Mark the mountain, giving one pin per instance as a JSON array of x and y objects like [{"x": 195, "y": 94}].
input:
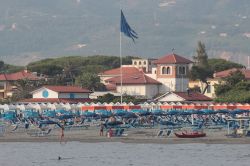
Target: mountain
[{"x": 31, "y": 30}]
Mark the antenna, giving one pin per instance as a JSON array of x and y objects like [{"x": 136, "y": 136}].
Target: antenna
[{"x": 173, "y": 49}]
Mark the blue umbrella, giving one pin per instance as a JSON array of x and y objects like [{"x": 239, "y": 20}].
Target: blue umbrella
[
  {"x": 157, "y": 112},
  {"x": 89, "y": 114},
  {"x": 119, "y": 112},
  {"x": 103, "y": 113},
  {"x": 30, "y": 114},
  {"x": 224, "y": 111},
  {"x": 141, "y": 112},
  {"x": 238, "y": 111},
  {"x": 172, "y": 112},
  {"x": 51, "y": 114},
  {"x": 130, "y": 115},
  {"x": 167, "y": 123},
  {"x": 208, "y": 111}
]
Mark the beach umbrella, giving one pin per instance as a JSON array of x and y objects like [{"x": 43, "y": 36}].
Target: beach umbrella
[
  {"x": 62, "y": 117},
  {"x": 207, "y": 111},
  {"x": 103, "y": 113},
  {"x": 119, "y": 112},
  {"x": 130, "y": 115},
  {"x": 223, "y": 111},
  {"x": 167, "y": 123},
  {"x": 184, "y": 113},
  {"x": 157, "y": 112},
  {"x": 30, "y": 114},
  {"x": 140, "y": 112},
  {"x": 51, "y": 114},
  {"x": 238, "y": 111},
  {"x": 89, "y": 114},
  {"x": 172, "y": 112}
]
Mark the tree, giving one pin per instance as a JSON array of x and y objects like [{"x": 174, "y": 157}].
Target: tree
[
  {"x": 230, "y": 82},
  {"x": 24, "y": 87},
  {"x": 218, "y": 65},
  {"x": 90, "y": 81},
  {"x": 200, "y": 70}
]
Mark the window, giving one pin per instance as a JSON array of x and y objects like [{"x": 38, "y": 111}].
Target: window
[
  {"x": 144, "y": 62},
  {"x": 209, "y": 89},
  {"x": 166, "y": 70},
  {"x": 139, "y": 62},
  {"x": 135, "y": 63},
  {"x": 182, "y": 70}
]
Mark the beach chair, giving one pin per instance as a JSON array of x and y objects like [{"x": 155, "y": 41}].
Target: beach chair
[
  {"x": 160, "y": 133},
  {"x": 168, "y": 133}
]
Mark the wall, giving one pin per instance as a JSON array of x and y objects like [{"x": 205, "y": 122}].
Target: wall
[
  {"x": 152, "y": 90},
  {"x": 133, "y": 90},
  {"x": 39, "y": 94},
  {"x": 76, "y": 95}
]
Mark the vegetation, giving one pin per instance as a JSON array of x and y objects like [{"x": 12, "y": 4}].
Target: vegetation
[
  {"x": 234, "y": 88},
  {"x": 6, "y": 68},
  {"x": 217, "y": 65},
  {"x": 201, "y": 70},
  {"x": 111, "y": 98}
]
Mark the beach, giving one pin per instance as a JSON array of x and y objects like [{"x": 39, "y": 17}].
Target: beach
[{"x": 134, "y": 135}]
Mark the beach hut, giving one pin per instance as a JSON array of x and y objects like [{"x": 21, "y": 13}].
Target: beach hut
[{"x": 166, "y": 106}]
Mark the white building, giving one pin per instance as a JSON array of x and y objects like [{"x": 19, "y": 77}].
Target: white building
[
  {"x": 150, "y": 77},
  {"x": 63, "y": 94}
]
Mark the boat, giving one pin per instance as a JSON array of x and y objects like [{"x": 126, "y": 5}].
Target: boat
[{"x": 190, "y": 135}]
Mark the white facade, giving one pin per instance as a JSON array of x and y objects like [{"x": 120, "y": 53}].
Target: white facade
[
  {"x": 39, "y": 93},
  {"x": 149, "y": 90},
  {"x": 48, "y": 94}
]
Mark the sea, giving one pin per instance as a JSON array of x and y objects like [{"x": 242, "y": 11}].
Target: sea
[{"x": 123, "y": 154}]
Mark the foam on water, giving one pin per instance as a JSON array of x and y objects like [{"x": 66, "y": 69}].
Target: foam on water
[{"x": 114, "y": 154}]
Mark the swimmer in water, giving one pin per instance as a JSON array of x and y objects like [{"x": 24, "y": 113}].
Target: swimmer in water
[{"x": 59, "y": 158}]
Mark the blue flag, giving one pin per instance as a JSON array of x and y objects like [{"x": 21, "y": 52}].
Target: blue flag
[{"x": 125, "y": 28}]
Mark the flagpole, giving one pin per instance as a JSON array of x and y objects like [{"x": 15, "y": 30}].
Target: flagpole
[{"x": 121, "y": 63}]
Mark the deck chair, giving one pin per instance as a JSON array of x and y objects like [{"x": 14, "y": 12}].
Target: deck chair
[
  {"x": 160, "y": 133},
  {"x": 168, "y": 133},
  {"x": 120, "y": 132}
]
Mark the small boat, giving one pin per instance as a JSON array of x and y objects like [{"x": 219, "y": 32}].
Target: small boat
[{"x": 190, "y": 135}]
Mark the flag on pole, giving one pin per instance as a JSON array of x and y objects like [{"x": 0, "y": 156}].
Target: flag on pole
[{"x": 126, "y": 29}]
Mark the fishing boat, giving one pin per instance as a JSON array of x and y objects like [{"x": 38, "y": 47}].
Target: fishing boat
[{"x": 190, "y": 135}]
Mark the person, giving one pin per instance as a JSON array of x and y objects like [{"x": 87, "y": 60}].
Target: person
[
  {"x": 62, "y": 134},
  {"x": 110, "y": 133},
  {"x": 101, "y": 130}
]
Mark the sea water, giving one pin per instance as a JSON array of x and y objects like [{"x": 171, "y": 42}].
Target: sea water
[{"x": 123, "y": 154}]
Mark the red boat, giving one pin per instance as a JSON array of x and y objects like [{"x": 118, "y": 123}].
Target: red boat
[{"x": 190, "y": 135}]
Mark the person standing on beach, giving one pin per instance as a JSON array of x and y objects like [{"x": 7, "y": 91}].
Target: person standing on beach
[{"x": 101, "y": 130}]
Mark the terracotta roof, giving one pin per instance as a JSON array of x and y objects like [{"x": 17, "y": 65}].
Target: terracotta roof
[
  {"x": 225, "y": 73},
  {"x": 55, "y": 100},
  {"x": 18, "y": 76},
  {"x": 117, "y": 71},
  {"x": 136, "y": 78},
  {"x": 172, "y": 59},
  {"x": 193, "y": 96},
  {"x": 67, "y": 89}
]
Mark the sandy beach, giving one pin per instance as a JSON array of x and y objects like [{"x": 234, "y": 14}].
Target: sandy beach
[{"x": 136, "y": 135}]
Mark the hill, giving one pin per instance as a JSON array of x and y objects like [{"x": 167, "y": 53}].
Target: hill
[{"x": 33, "y": 30}]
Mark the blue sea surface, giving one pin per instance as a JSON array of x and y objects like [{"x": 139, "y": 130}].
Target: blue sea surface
[{"x": 122, "y": 154}]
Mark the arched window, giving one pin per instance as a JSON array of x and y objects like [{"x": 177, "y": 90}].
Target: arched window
[
  {"x": 168, "y": 70},
  {"x": 139, "y": 62},
  {"x": 135, "y": 63},
  {"x": 144, "y": 62}
]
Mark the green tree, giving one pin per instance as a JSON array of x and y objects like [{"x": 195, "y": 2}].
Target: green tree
[
  {"x": 24, "y": 87},
  {"x": 218, "y": 65},
  {"x": 229, "y": 83},
  {"x": 200, "y": 70},
  {"x": 90, "y": 81}
]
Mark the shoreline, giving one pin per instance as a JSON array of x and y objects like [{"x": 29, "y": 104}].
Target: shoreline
[{"x": 137, "y": 136}]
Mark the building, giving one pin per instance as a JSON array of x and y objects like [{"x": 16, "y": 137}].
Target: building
[
  {"x": 64, "y": 94},
  {"x": 149, "y": 77},
  {"x": 172, "y": 71},
  {"x": 137, "y": 84},
  {"x": 183, "y": 97},
  {"x": 7, "y": 81},
  {"x": 217, "y": 79},
  {"x": 145, "y": 64}
]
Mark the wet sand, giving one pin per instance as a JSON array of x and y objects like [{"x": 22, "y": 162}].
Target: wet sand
[{"x": 137, "y": 135}]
